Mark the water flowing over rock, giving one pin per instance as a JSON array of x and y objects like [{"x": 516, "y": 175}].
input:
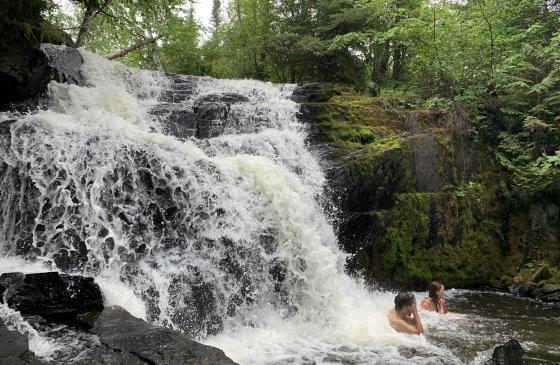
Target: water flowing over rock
[
  {"x": 197, "y": 194},
  {"x": 14, "y": 348}
]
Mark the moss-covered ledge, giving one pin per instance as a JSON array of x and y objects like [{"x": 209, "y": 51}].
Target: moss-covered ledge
[{"x": 418, "y": 199}]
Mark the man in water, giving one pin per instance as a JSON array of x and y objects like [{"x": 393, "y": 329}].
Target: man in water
[{"x": 400, "y": 317}]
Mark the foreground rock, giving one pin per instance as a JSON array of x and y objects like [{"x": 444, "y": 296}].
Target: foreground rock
[
  {"x": 121, "y": 331},
  {"x": 510, "y": 353},
  {"x": 50, "y": 295},
  {"x": 70, "y": 309}
]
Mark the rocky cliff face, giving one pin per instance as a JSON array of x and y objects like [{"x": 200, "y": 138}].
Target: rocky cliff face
[
  {"x": 24, "y": 70},
  {"x": 419, "y": 199}
]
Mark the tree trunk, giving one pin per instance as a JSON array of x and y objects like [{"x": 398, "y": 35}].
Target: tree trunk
[
  {"x": 134, "y": 47},
  {"x": 491, "y": 33},
  {"x": 380, "y": 62},
  {"x": 398, "y": 60},
  {"x": 89, "y": 15},
  {"x": 85, "y": 27},
  {"x": 255, "y": 66},
  {"x": 157, "y": 60}
]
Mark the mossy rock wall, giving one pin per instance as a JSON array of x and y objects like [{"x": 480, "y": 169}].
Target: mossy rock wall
[{"x": 417, "y": 199}]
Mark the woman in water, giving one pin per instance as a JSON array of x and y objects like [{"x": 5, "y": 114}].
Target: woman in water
[{"x": 436, "y": 299}]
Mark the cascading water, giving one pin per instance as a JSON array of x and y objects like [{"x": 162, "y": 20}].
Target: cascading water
[{"x": 223, "y": 238}]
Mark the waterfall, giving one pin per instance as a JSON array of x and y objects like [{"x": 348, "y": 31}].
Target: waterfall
[{"x": 223, "y": 238}]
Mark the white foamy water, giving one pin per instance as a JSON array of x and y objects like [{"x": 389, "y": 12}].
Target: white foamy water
[
  {"x": 41, "y": 346},
  {"x": 223, "y": 238}
]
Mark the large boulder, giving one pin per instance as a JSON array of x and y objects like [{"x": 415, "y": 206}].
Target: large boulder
[
  {"x": 51, "y": 295},
  {"x": 64, "y": 63},
  {"x": 24, "y": 73},
  {"x": 541, "y": 283},
  {"x": 109, "y": 335},
  {"x": 121, "y": 331},
  {"x": 511, "y": 353}
]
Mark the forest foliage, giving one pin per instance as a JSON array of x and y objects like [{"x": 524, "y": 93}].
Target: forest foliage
[{"x": 499, "y": 58}]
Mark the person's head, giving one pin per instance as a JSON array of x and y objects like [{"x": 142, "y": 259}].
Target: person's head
[
  {"x": 404, "y": 302},
  {"x": 436, "y": 291}
]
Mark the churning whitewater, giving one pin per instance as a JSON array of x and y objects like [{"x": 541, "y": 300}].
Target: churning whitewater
[{"x": 223, "y": 238}]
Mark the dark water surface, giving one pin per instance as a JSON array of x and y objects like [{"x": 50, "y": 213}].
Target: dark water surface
[{"x": 482, "y": 320}]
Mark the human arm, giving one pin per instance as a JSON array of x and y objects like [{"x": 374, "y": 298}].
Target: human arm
[
  {"x": 403, "y": 326},
  {"x": 416, "y": 318},
  {"x": 441, "y": 308}
]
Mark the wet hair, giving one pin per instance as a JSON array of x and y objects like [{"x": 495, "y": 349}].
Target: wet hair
[
  {"x": 403, "y": 299},
  {"x": 435, "y": 286}
]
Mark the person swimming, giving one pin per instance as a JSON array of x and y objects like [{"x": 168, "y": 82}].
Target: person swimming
[
  {"x": 400, "y": 317},
  {"x": 435, "y": 301}
]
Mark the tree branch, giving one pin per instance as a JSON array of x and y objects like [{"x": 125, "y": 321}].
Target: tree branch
[{"x": 124, "y": 51}]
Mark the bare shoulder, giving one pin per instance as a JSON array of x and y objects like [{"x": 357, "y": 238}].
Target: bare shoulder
[
  {"x": 427, "y": 304},
  {"x": 392, "y": 315},
  {"x": 399, "y": 324},
  {"x": 393, "y": 318}
]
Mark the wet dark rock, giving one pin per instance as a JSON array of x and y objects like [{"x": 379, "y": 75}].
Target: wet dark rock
[
  {"x": 209, "y": 116},
  {"x": 14, "y": 348},
  {"x": 181, "y": 88},
  {"x": 523, "y": 289},
  {"x": 425, "y": 152},
  {"x": 121, "y": 331},
  {"x": 212, "y": 112},
  {"x": 51, "y": 295},
  {"x": 316, "y": 92},
  {"x": 65, "y": 63},
  {"x": 226, "y": 98},
  {"x": 176, "y": 120},
  {"x": 24, "y": 73},
  {"x": 539, "y": 284},
  {"x": 547, "y": 293},
  {"x": 510, "y": 353},
  {"x": 195, "y": 310},
  {"x": 211, "y": 119}
]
